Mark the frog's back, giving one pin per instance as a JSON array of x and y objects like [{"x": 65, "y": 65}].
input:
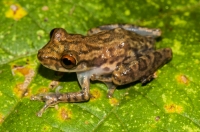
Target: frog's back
[
  {"x": 119, "y": 37},
  {"x": 113, "y": 47}
]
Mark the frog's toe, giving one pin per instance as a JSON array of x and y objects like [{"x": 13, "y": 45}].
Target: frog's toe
[
  {"x": 39, "y": 97},
  {"x": 110, "y": 93},
  {"x": 39, "y": 114},
  {"x": 36, "y": 97},
  {"x": 147, "y": 79}
]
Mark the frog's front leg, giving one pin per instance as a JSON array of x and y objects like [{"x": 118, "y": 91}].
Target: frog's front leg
[
  {"x": 143, "y": 68},
  {"x": 137, "y": 29},
  {"x": 51, "y": 99}
]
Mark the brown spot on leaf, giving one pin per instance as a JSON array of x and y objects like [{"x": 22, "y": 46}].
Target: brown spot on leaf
[
  {"x": 46, "y": 128},
  {"x": 157, "y": 118},
  {"x": 43, "y": 90},
  {"x": 15, "y": 11},
  {"x": 18, "y": 90},
  {"x": 183, "y": 79},
  {"x": 95, "y": 94},
  {"x": 45, "y": 8},
  {"x": 173, "y": 108},
  {"x": 64, "y": 114},
  {"x": 23, "y": 70},
  {"x": 87, "y": 122},
  {"x": 1, "y": 119},
  {"x": 21, "y": 89},
  {"x": 114, "y": 102}
]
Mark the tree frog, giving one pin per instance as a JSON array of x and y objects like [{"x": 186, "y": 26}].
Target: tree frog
[{"x": 114, "y": 54}]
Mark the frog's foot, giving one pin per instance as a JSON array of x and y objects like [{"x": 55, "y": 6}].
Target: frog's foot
[
  {"x": 50, "y": 100},
  {"x": 147, "y": 79}
]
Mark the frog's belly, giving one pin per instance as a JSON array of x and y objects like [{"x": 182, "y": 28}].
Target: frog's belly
[{"x": 102, "y": 70}]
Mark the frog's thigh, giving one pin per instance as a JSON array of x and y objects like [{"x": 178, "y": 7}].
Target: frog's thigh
[
  {"x": 143, "y": 30},
  {"x": 139, "y": 30},
  {"x": 102, "y": 28},
  {"x": 142, "y": 68},
  {"x": 108, "y": 81}
]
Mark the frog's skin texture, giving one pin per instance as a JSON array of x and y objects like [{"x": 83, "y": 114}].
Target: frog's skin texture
[{"x": 114, "y": 54}]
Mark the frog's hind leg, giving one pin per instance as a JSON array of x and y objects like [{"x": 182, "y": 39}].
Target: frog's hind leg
[
  {"x": 137, "y": 29},
  {"x": 143, "y": 30},
  {"x": 143, "y": 68},
  {"x": 108, "y": 81}
]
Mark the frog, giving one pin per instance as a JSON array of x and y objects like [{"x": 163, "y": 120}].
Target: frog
[{"x": 115, "y": 54}]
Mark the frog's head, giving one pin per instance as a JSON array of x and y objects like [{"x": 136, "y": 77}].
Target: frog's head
[{"x": 55, "y": 54}]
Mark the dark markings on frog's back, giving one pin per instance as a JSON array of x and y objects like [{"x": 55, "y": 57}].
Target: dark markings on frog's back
[
  {"x": 142, "y": 64},
  {"x": 93, "y": 47},
  {"x": 104, "y": 36},
  {"x": 157, "y": 58},
  {"x": 98, "y": 62},
  {"x": 111, "y": 49},
  {"x": 148, "y": 56}
]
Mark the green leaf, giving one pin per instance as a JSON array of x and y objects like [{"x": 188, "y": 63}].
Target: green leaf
[{"x": 168, "y": 103}]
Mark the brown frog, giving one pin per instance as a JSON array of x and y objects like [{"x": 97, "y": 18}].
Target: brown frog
[{"x": 114, "y": 54}]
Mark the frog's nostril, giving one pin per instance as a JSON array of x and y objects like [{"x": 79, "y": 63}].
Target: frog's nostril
[{"x": 40, "y": 56}]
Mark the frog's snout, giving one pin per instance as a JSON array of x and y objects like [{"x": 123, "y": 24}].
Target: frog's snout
[
  {"x": 43, "y": 58},
  {"x": 40, "y": 56}
]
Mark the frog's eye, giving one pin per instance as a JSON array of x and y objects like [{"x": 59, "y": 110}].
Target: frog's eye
[{"x": 68, "y": 61}]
